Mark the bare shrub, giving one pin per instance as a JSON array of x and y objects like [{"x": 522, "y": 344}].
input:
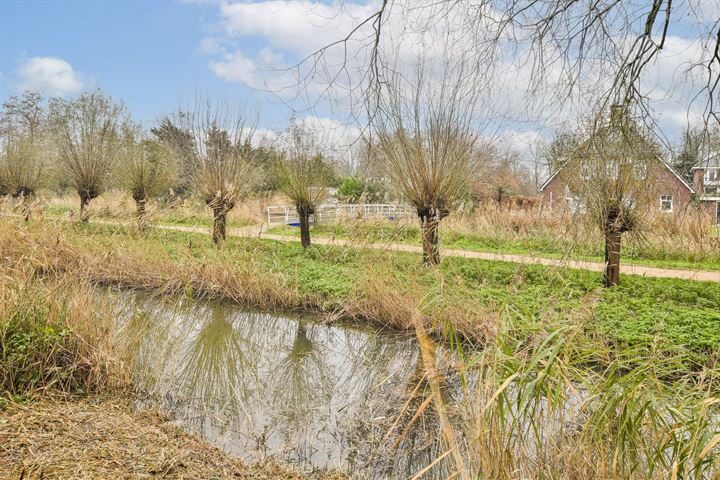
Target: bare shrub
[
  {"x": 87, "y": 133},
  {"x": 612, "y": 175},
  {"x": 21, "y": 168},
  {"x": 23, "y": 128},
  {"x": 425, "y": 139}
]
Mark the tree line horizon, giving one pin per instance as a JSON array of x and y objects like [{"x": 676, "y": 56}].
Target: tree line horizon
[{"x": 428, "y": 156}]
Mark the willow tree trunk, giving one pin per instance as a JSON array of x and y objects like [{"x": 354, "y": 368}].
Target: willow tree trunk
[
  {"x": 429, "y": 229},
  {"x": 304, "y": 215},
  {"x": 219, "y": 224},
  {"x": 84, "y": 208},
  {"x": 141, "y": 213},
  {"x": 611, "y": 276}
]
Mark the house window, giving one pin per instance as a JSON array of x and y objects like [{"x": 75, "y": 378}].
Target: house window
[
  {"x": 712, "y": 175},
  {"x": 666, "y": 203}
]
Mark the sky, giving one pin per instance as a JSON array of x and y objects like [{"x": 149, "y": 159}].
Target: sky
[
  {"x": 147, "y": 53},
  {"x": 154, "y": 54}
]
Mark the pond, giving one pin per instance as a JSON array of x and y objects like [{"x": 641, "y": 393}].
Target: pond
[{"x": 286, "y": 387}]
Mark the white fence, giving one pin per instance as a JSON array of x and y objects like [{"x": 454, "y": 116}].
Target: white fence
[{"x": 286, "y": 214}]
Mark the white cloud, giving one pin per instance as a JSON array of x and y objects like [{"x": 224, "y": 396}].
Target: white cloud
[
  {"x": 49, "y": 75},
  {"x": 235, "y": 67},
  {"x": 298, "y": 26},
  {"x": 211, "y": 45}
]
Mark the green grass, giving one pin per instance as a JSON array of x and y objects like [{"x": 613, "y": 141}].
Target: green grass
[
  {"x": 679, "y": 317},
  {"x": 551, "y": 247}
]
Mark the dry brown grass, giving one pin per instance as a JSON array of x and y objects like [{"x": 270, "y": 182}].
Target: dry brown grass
[
  {"x": 404, "y": 303},
  {"x": 53, "y": 337},
  {"x": 105, "y": 438},
  {"x": 120, "y": 205},
  {"x": 53, "y": 256},
  {"x": 685, "y": 233}
]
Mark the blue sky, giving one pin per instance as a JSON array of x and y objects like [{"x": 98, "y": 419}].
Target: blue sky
[
  {"x": 149, "y": 53},
  {"x": 153, "y": 54}
]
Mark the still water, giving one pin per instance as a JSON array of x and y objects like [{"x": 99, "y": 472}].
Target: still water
[{"x": 267, "y": 386}]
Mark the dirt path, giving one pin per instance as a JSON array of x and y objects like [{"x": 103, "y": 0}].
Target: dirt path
[{"x": 257, "y": 232}]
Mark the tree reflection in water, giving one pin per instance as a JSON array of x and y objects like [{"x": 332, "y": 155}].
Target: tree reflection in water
[
  {"x": 214, "y": 369},
  {"x": 263, "y": 385},
  {"x": 301, "y": 390}
]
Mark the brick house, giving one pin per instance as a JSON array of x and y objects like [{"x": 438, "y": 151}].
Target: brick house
[
  {"x": 673, "y": 192},
  {"x": 706, "y": 182}
]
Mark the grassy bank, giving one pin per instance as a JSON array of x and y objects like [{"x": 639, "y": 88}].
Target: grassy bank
[
  {"x": 547, "y": 243},
  {"x": 473, "y": 298}
]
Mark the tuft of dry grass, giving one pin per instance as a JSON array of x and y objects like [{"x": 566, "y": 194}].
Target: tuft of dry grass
[
  {"x": 105, "y": 438},
  {"x": 408, "y": 303}
]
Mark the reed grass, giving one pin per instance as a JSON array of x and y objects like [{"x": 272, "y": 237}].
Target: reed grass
[{"x": 548, "y": 413}]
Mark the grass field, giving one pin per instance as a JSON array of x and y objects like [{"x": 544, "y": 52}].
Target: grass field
[
  {"x": 539, "y": 243},
  {"x": 682, "y": 241}
]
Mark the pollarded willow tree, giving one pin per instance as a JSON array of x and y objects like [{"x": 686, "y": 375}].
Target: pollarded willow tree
[
  {"x": 87, "y": 134},
  {"x": 302, "y": 173},
  {"x": 146, "y": 168},
  {"x": 21, "y": 168},
  {"x": 223, "y": 170},
  {"x": 425, "y": 137},
  {"x": 23, "y": 139},
  {"x": 613, "y": 177}
]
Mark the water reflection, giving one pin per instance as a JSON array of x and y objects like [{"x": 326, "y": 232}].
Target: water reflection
[{"x": 260, "y": 386}]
